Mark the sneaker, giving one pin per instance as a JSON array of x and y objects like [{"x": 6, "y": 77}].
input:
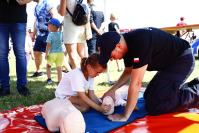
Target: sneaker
[
  {"x": 23, "y": 90},
  {"x": 49, "y": 81},
  {"x": 4, "y": 92},
  {"x": 37, "y": 74},
  {"x": 65, "y": 71},
  {"x": 111, "y": 83}
]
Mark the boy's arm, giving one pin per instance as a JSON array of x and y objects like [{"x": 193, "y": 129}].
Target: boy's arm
[{"x": 47, "y": 50}]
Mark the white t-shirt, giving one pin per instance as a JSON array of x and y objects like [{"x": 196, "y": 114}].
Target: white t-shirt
[{"x": 73, "y": 82}]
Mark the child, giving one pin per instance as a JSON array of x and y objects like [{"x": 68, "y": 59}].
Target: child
[
  {"x": 76, "y": 87},
  {"x": 113, "y": 26},
  {"x": 54, "y": 50}
]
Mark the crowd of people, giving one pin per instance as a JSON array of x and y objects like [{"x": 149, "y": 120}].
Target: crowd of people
[{"x": 89, "y": 48}]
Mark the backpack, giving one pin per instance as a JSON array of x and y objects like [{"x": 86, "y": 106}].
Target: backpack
[{"x": 80, "y": 14}]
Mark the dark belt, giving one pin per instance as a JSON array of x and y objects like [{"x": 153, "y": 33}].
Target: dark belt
[{"x": 186, "y": 52}]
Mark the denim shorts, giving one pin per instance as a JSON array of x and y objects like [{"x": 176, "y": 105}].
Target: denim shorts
[{"x": 40, "y": 44}]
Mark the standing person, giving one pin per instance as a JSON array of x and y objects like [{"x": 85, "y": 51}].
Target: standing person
[
  {"x": 13, "y": 19},
  {"x": 181, "y": 23},
  {"x": 153, "y": 50},
  {"x": 74, "y": 36},
  {"x": 114, "y": 26},
  {"x": 97, "y": 26},
  {"x": 54, "y": 50},
  {"x": 44, "y": 11}
]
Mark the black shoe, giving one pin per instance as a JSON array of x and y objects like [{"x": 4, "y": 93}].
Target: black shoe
[
  {"x": 65, "y": 71},
  {"x": 37, "y": 74},
  {"x": 4, "y": 92},
  {"x": 49, "y": 81},
  {"x": 193, "y": 82},
  {"x": 111, "y": 83},
  {"x": 23, "y": 90}
]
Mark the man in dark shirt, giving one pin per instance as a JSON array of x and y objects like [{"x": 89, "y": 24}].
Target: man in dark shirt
[
  {"x": 13, "y": 18},
  {"x": 153, "y": 50}
]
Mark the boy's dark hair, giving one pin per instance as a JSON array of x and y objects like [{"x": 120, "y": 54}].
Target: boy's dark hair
[{"x": 92, "y": 60}]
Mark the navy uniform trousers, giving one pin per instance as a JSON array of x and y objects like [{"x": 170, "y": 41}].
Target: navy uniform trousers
[{"x": 167, "y": 91}]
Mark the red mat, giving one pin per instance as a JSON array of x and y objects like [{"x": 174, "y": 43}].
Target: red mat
[
  {"x": 22, "y": 120},
  {"x": 186, "y": 122}
]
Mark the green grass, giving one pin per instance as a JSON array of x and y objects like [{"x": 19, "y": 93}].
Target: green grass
[{"x": 41, "y": 92}]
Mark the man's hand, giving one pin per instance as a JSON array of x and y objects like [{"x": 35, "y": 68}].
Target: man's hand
[
  {"x": 110, "y": 93},
  {"x": 22, "y": 2},
  {"x": 118, "y": 117}
]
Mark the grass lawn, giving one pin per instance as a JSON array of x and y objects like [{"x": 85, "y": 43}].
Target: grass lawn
[{"x": 41, "y": 92}]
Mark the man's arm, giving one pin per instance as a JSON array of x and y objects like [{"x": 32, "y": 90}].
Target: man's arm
[
  {"x": 133, "y": 92},
  {"x": 122, "y": 80}
]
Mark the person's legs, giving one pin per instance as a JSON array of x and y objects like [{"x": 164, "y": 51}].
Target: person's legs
[
  {"x": 18, "y": 35},
  {"x": 81, "y": 50},
  {"x": 38, "y": 60},
  {"x": 48, "y": 71},
  {"x": 66, "y": 64},
  {"x": 4, "y": 50},
  {"x": 91, "y": 45},
  {"x": 73, "y": 56},
  {"x": 163, "y": 92},
  {"x": 189, "y": 95},
  {"x": 59, "y": 62},
  {"x": 39, "y": 47}
]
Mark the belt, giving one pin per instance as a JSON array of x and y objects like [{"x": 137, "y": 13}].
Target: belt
[{"x": 186, "y": 52}]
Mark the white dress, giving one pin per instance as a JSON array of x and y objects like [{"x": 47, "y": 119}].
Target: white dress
[{"x": 72, "y": 33}]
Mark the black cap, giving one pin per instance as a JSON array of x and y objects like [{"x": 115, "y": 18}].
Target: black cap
[{"x": 107, "y": 43}]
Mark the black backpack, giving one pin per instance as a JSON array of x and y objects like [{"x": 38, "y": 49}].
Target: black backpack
[{"x": 80, "y": 14}]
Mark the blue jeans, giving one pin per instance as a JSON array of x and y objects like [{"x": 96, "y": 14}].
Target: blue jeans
[
  {"x": 92, "y": 45},
  {"x": 17, "y": 32}
]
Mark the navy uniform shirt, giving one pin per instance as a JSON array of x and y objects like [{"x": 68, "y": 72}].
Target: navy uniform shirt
[
  {"x": 154, "y": 47},
  {"x": 12, "y": 12}
]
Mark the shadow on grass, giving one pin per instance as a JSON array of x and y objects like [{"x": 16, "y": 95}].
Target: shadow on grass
[{"x": 40, "y": 93}]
